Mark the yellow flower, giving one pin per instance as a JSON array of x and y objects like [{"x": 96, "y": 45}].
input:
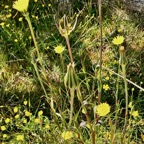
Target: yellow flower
[
  {"x": 135, "y": 114},
  {"x": 27, "y": 113},
  {"x": 40, "y": 113},
  {"x": 20, "y": 19},
  {"x": 21, "y": 5},
  {"x": 106, "y": 87},
  {"x": 17, "y": 116},
  {"x": 59, "y": 49},
  {"x": 25, "y": 102},
  {"x": 7, "y": 120},
  {"x": 8, "y": 15},
  {"x": 67, "y": 135},
  {"x": 15, "y": 109},
  {"x": 2, "y": 24},
  {"x": 35, "y": 0},
  {"x": 6, "y": 6},
  {"x": 107, "y": 78},
  {"x": 49, "y": 5},
  {"x": 4, "y": 135},
  {"x": 20, "y": 138},
  {"x": 47, "y": 126},
  {"x": 130, "y": 105},
  {"x": 118, "y": 40},
  {"x": 103, "y": 109},
  {"x": 25, "y": 121},
  {"x": 37, "y": 120},
  {"x": 15, "y": 40},
  {"x": 3, "y": 128}
]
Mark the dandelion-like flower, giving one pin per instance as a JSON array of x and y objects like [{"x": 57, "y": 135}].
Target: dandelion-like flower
[
  {"x": 20, "y": 138},
  {"x": 67, "y": 135},
  {"x": 106, "y": 87},
  {"x": 21, "y": 5},
  {"x": 59, "y": 49},
  {"x": 118, "y": 40},
  {"x": 130, "y": 105},
  {"x": 37, "y": 120},
  {"x": 40, "y": 113},
  {"x": 3, "y": 128},
  {"x": 15, "y": 109},
  {"x": 103, "y": 109},
  {"x": 4, "y": 135},
  {"x": 7, "y": 120},
  {"x": 135, "y": 114},
  {"x": 27, "y": 113}
]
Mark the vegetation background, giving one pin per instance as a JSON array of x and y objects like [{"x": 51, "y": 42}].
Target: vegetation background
[{"x": 50, "y": 85}]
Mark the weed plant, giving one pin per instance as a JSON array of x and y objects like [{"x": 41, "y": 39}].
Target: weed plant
[{"x": 70, "y": 76}]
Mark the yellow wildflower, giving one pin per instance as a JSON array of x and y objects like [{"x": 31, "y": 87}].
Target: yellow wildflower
[
  {"x": 107, "y": 78},
  {"x": 67, "y": 135},
  {"x": 3, "y": 128},
  {"x": 20, "y": 19},
  {"x": 118, "y": 40},
  {"x": 106, "y": 87},
  {"x": 27, "y": 113},
  {"x": 2, "y": 24},
  {"x": 49, "y": 5},
  {"x": 47, "y": 126},
  {"x": 15, "y": 109},
  {"x": 35, "y": 0},
  {"x": 7, "y": 120},
  {"x": 20, "y": 138},
  {"x": 130, "y": 105},
  {"x": 25, "y": 102},
  {"x": 4, "y": 135},
  {"x": 25, "y": 121},
  {"x": 21, "y": 5},
  {"x": 8, "y": 15},
  {"x": 103, "y": 109},
  {"x": 135, "y": 114},
  {"x": 59, "y": 49},
  {"x": 6, "y": 6},
  {"x": 17, "y": 116},
  {"x": 15, "y": 40},
  {"x": 40, "y": 113},
  {"x": 37, "y": 120}
]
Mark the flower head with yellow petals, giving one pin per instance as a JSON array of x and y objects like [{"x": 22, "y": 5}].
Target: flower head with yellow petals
[
  {"x": 118, "y": 40},
  {"x": 21, "y": 5},
  {"x": 103, "y": 109}
]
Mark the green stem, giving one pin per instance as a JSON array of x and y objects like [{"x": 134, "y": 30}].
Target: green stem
[
  {"x": 69, "y": 49},
  {"x": 35, "y": 43},
  {"x": 71, "y": 105},
  {"x": 126, "y": 93},
  {"x": 87, "y": 116}
]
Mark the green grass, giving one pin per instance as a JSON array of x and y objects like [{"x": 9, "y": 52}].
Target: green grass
[{"x": 52, "y": 95}]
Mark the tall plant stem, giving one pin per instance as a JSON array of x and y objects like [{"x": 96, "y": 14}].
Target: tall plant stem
[
  {"x": 69, "y": 49},
  {"x": 100, "y": 52},
  {"x": 71, "y": 104},
  {"x": 35, "y": 43},
  {"x": 126, "y": 93},
  {"x": 87, "y": 115}
]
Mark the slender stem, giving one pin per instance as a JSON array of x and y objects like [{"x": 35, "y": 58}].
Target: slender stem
[
  {"x": 100, "y": 52},
  {"x": 116, "y": 97},
  {"x": 71, "y": 105},
  {"x": 123, "y": 78},
  {"x": 35, "y": 43},
  {"x": 69, "y": 49},
  {"x": 87, "y": 115},
  {"x": 126, "y": 93}
]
